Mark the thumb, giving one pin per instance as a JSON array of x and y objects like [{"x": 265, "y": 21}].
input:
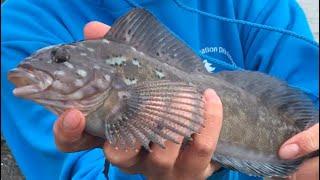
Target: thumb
[
  {"x": 95, "y": 30},
  {"x": 301, "y": 144},
  {"x": 69, "y": 133},
  {"x": 69, "y": 126}
]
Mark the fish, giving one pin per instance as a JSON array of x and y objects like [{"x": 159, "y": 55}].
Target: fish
[{"x": 141, "y": 84}]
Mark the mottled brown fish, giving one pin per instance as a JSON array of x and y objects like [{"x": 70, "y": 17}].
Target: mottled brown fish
[{"x": 141, "y": 84}]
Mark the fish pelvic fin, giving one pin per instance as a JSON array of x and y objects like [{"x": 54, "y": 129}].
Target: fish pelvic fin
[
  {"x": 154, "y": 111},
  {"x": 258, "y": 168},
  {"x": 267, "y": 168}
]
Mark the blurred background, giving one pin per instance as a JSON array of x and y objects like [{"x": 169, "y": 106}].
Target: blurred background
[
  {"x": 311, "y": 9},
  {"x": 9, "y": 169}
]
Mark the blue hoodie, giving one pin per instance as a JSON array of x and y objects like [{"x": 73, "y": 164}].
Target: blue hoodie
[{"x": 28, "y": 25}]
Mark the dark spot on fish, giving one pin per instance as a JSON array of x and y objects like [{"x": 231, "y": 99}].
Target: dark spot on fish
[
  {"x": 53, "y": 52},
  {"x": 60, "y": 55},
  {"x": 160, "y": 126},
  {"x": 26, "y": 66}
]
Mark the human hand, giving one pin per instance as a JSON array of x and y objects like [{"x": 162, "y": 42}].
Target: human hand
[
  {"x": 300, "y": 145},
  {"x": 193, "y": 162}
]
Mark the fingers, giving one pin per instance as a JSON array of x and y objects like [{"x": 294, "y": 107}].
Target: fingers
[
  {"x": 160, "y": 163},
  {"x": 133, "y": 160},
  {"x": 69, "y": 135},
  {"x": 212, "y": 167},
  {"x": 162, "y": 160},
  {"x": 124, "y": 159},
  {"x": 95, "y": 30},
  {"x": 301, "y": 144},
  {"x": 308, "y": 170},
  {"x": 197, "y": 156}
]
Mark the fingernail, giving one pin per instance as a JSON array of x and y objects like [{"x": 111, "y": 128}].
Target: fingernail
[
  {"x": 209, "y": 94},
  {"x": 289, "y": 151},
  {"x": 71, "y": 121}
]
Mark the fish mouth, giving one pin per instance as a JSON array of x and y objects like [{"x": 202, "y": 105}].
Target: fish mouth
[{"x": 29, "y": 82}]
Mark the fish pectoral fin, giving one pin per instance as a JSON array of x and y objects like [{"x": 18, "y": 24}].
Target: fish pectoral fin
[
  {"x": 142, "y": 30},
  {"x": 155, "y": 111}
]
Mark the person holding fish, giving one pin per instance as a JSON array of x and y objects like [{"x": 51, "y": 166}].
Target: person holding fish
[{"x": 140, "y": 98}]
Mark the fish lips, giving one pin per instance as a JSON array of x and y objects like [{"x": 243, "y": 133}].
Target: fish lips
[{"x": 29, "y": 82}]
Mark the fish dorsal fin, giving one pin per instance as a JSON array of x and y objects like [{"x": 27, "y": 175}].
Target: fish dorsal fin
[
  {"x": 289, "y": 102},
  {"x": 145, "y": 33}
]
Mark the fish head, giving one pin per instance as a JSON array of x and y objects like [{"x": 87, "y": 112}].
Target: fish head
[{"x": 60, "y": 77}]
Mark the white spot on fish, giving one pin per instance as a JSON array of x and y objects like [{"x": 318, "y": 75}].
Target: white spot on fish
[
  {"x": 101, "y": 84},
  {"x": 91, "y": 49},
  {"x": 44, "y": 84},
  {"x": 69, "y": 65},
  {"x": 31, "y": 75},
  {"x": 107, "y": 77},
  {"x": 81, "y": 72},
  {"x": 133, "y": 49},
  {"x": 78, "y": 82},
  {"x": 130, "y": 81},
  {"x": 116, "y": 60},
  {"x": 96, "y": 67},
  {"x": 141, "y": 53},
  {"x": 49, "y": 62},
  {"x": 48, "y": 81},
  {"x": 136, "y": 62},
  {"x": 105, "y": 41},
  {"x": 208, "y": 66},
  {"x": 159, "y": 74},
  {"x": 76, "y": 95},
  {"x": 83, "y": 54},
  {"x": 59, "y": 73},
  {"x": 57, "y": 84}
]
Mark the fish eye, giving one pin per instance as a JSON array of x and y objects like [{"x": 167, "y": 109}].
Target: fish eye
[{"x": 60, "y": 55}]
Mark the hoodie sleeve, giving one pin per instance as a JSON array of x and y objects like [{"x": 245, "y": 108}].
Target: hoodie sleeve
[
  {"x": 28, "y": 25},
  {"x": 285, "y": 57}
]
